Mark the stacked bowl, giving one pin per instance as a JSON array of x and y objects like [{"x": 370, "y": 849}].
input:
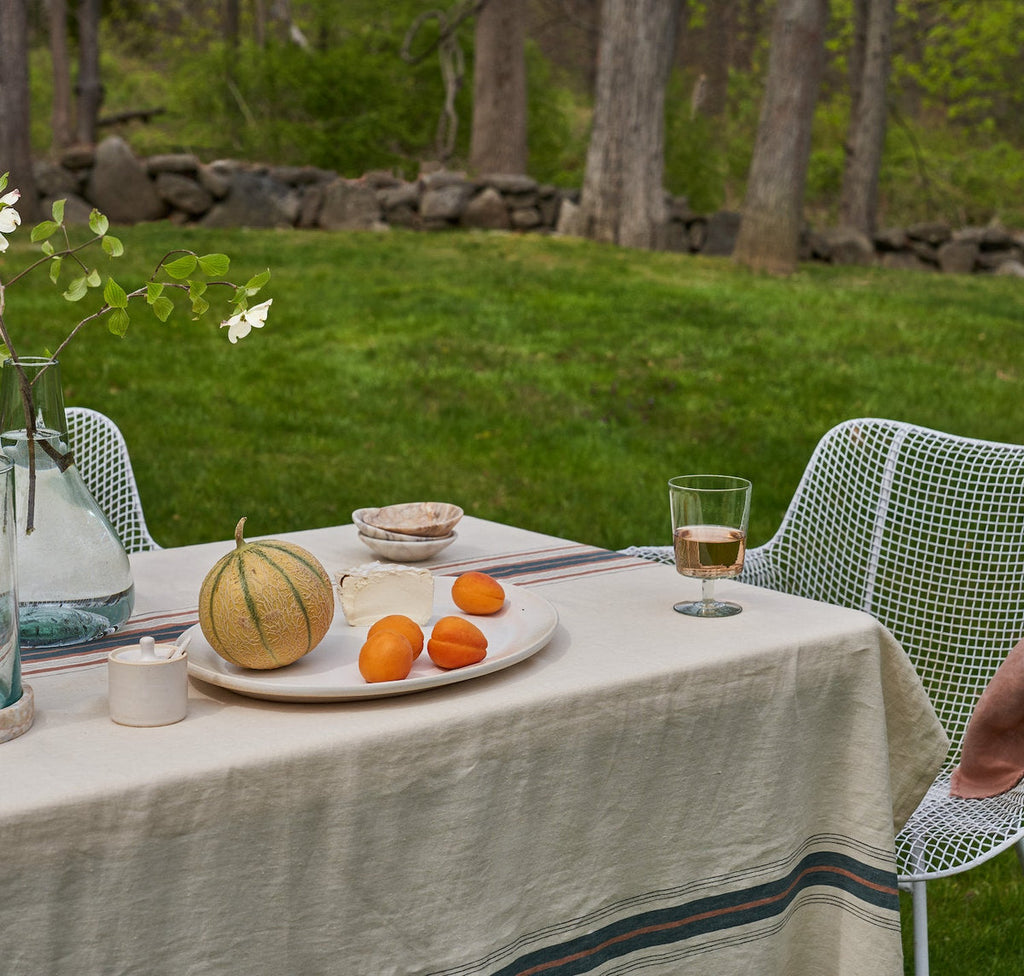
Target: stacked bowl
[{"x": 409, "y": 532}]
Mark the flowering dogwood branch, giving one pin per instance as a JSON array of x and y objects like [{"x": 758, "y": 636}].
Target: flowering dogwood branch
[{"x": 179, "y": 270}]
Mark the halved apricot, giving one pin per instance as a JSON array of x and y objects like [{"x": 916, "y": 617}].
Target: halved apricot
[{"x": 455, "y": 642}]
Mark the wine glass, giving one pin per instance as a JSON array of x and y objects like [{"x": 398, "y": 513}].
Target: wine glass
[{"x": 709, "y": 535}]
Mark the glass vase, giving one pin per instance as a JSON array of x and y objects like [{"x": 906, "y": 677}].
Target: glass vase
[
  {"x": 74, "y": 578},
  {"x": 10, "y": 649}
]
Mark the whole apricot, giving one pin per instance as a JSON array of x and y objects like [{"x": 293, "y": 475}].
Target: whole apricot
[
  {"x": 478, "y": 593},
  {"x": 386, "y": 656},
  {"x": 401, "y": 624},
  {"x": 455, "y": 642}
]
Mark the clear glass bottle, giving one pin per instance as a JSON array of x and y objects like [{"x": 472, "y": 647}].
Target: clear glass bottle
[{"x": 74, "y": 578}]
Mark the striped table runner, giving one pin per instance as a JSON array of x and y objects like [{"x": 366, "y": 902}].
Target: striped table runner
[{"x": 528, "y": 568}]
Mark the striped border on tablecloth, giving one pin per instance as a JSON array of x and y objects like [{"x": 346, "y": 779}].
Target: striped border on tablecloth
[
  {"x": 532, "y": 567},
  {"x": 164, "y": 626},
  {"x": 549, "y": 565},
  {"x": 659, "y": 928}
]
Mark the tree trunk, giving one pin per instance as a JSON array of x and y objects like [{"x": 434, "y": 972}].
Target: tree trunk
[
  {"x": 260, "y": 23},
  {"x": 61, "y": 120},
  {"x": 623, "y": 197},
  {"x": 858, "y": 202},
  {"x": 90, "y": 88},
  {"x": 857, "y": 52},
  {"x": 498, "y": 139},
  {"x": 230, "y": 21},
  {"x": 15, "y": 129},
  {"x": 769, "y": 237}
]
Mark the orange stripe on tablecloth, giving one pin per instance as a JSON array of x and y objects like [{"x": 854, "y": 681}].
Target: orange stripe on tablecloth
[
  {"x": 717, "y": 913},
  {"x": 867, "y": 885}
]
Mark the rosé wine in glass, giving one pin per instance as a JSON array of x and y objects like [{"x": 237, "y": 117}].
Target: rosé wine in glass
[{"x": 709, "y": 535}]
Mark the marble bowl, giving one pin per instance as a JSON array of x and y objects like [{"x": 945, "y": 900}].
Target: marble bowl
[
  {"x": 420, "y": 520},
  {"x": 407, "y": 550},
  {"x": 373, "y": 532}
]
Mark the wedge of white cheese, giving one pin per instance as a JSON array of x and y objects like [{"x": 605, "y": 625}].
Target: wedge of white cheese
[{"x": 375, "y": 590}]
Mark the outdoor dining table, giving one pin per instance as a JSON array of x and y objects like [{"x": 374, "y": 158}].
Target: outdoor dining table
[{"x": 646, "y": 793}]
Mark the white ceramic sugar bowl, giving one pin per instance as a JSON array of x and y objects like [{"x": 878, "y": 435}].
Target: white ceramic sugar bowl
[{"x": 147, "y": 688}]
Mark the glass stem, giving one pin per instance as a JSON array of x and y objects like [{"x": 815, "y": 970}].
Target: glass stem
[{"x": 707, "y": 588}]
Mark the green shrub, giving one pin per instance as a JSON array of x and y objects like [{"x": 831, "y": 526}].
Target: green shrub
[
  {"x": 558, "y": 124},
  {"x": 953, "y": 174},
  {"x": 708, "y": 159},
  {"x": 828, "y": 157},
  {"x": 694, "y": 158},
  {"x": 354, "y": 107}
]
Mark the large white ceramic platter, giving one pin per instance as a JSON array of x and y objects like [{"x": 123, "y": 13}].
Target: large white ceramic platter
[{"x": 330, "y": 672}]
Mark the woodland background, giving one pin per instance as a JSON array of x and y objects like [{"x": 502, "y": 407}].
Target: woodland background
[{"x": 358, "y": 85}]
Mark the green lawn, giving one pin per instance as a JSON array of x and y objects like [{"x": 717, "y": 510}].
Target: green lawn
[
  {"x": 555, "y": 384},
  {"x": 552, "y": 383},
  {"x": 976, "y": 922}
]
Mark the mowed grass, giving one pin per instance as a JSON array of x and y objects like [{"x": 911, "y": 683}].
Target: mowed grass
[
  {"x": 551, "y": 383},
  {"x": 976, "y": 922}
]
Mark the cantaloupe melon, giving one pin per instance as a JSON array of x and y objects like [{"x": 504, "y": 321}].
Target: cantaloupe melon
[{"x": 266, "y": 603}]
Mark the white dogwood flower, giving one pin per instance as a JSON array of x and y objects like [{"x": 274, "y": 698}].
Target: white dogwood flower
[
  {"x": 242, "y": 323},
  {"x": 9, "y": 217}
]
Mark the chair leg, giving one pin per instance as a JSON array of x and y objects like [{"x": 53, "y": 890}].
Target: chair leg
[{"x": 920, "y": 903}]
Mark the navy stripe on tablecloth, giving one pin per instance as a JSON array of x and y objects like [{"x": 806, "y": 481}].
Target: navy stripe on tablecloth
[
  {"x": 681, "y": 926},
  {"x": 527, "y": 568}
]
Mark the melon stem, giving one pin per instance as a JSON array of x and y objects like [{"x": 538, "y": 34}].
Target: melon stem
[{"x": 239, "y": 541}]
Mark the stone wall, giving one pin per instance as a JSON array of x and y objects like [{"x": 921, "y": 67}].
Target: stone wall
[{"x": 226, "y": 193}]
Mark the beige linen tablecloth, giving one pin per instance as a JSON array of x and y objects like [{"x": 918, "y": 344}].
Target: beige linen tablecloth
[{"x": 649, "y": 793}]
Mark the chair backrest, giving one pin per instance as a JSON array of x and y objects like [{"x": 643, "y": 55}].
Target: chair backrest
[
  {"x": 923, "y": 530},
  {"x": 102, "y": 459}
]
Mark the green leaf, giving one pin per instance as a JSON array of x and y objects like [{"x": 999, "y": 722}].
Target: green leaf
[
  {"x": 196, "y": 288},
  {"x": 4, "y": 351},
  {"x": 98, "y": 224},
  {"x": 118, "y": 322},
  {"x": 182, "y": 267},
  {"x": 214, "y": 265},
  {"x": 42, "y": 231},
  {"x": 3, "y": 181},
  {"x": 154, "y": 289},
  {"x": 93, "y": 279},
  {"x": 55, "y": 266},
  {"x": 76, "y": 291},
  {"x": 114, "y": 295},
  {"x": 58, "y": 211},
  {"x": 162, "y": 307},
  {"x": 47, "y": 248},
  {"x": 256, "y": 282},
  {"x": 112, "y": 246},
  {"x": 199, "y": 306}
]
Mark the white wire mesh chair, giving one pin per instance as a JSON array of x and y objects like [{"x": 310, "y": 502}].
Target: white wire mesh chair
[
  {"x": 102, "y": 459},
  {"x": 924, "y": 530}
]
